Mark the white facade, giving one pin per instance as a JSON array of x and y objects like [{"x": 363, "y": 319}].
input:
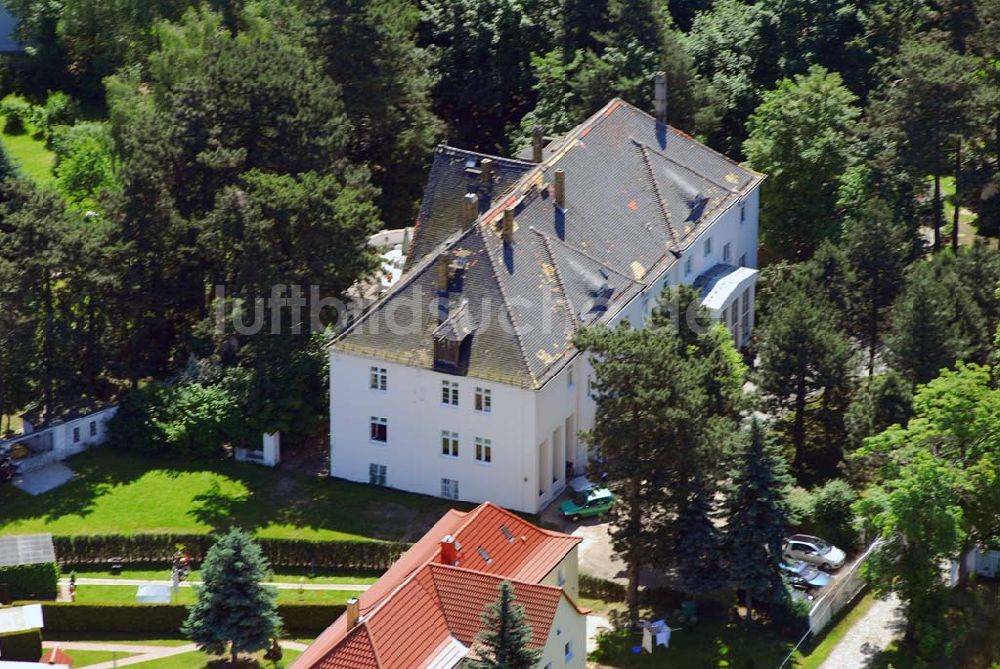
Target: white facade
[
  {"x": 532, "y": 434},
  {"x": 61, "y": 440}
]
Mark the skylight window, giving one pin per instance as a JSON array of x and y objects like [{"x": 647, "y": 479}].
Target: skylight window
[
  {"x": 507, "y": 533},
  {"x": 486, "y": 556}
]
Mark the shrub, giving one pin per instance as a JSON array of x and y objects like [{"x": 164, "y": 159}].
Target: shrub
[
  {"x": 60, "y": 109},
  {"x": 31, "y": 581},
  {"x": 150, "y": 548},
  {"x": 21, "y": 646},
  {"x": 16, "y": 112},
  {"x": 69, "y": 618},
  {"x": 594, "y": 587},
  {"x": 826, "y": 512}
]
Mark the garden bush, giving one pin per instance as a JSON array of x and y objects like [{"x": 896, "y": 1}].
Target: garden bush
[
  {"x": 21, "y": 646},
  {"x": 826, "y": 512},
  {"x": 31, "y": 581},
  {"x": 150, "y": 548},
  {"x": 16, "y": 112},
  {"x": 165, "y": 619},
  {"x": 60, "y": 109}
]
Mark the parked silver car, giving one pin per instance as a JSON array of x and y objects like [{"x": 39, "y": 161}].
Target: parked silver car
[{"x": 814, "y": 551}]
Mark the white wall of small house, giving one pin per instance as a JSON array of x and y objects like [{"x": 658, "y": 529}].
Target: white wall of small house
[
  {"x": 74, "y": 436},
  {"x": 568, "y": 626},
  {"x": 566, "y": 575},
  {"x": 416, "y": 416}
]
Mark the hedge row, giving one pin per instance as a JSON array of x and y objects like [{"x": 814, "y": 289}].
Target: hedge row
[
  {"x": 31, "y": 581},
  {"x": 146, "y": 548},
  {"x": 593, "y": 587},
  {"x": 23, "y": 646},
  {"x": 66, "y": 617}
]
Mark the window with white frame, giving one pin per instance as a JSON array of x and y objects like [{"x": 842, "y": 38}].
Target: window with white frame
[
  {"x": 708, "y": 246},
  {"x": 687, "y": 267},
  {"x": 743, "y": 260},
  {"x": 93, "y": 428},
  {"x": 569, "y": 650},
  {"x": 484, "y": 400},
  {"x": 376, "y": 474},
  {"x": 743, "y": 213},
  {"x": 449, "y": 443},
  {"x": 449, "y": 393},
  {"x": 561, "y": 577},
  {"x": 377, "y": 378},
  {"x": 484, "y": 450},
  {"x": 569, "y": 378},
  {"x": 76, "y": 434},
  {"x": 726, "y": 252},
  {"x": 449, "y": 488},
  {"x": 747, "y": 298},
  {"x": 379, "y": 429}
]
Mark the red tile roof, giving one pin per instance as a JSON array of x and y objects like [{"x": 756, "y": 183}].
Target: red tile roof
[
  {"x": 421, "y": 608},
  {"x": 56, "y": 655}
]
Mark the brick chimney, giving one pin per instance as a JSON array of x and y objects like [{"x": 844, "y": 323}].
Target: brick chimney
[
  {"x": 471, "y": 209},
  {"x": 353, "y": 612},
  {"x": 443, "y": 263},
  {"x": 508, "y": 226},
  {"x": 450, "y": 549},
  {"x": 537, "y": 143},
  {"x": 560, "y": 188},
  {"x": 486, "y": 170},
  {"x": 660, "y": 96}
]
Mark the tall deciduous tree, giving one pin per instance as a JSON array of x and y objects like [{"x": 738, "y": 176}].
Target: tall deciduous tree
[
  {"x": 757, "y": 522},
  {"x": 504, "y": 641},
  {"x": 801, "y": 136},
  {"x": 235, "y": 613}
]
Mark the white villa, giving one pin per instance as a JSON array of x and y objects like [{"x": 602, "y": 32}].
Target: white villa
[{"x": 463, "y": 382}]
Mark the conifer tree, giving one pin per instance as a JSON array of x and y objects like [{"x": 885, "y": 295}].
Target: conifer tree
[
  {"x": 234, "y": 611},
  {"x": 503, "y": 643},
  {"x": 698, "y": 547},
  {"x": 758, "y": 518}
]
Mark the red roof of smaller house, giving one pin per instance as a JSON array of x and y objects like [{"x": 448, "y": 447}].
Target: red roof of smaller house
[
  {"x": 422, "y": 609},
  {"x": 56, "y": 655}
]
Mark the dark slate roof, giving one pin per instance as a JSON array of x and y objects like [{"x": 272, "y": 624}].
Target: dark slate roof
[
  {"x": 638, "y": 193},
  {"x": 64, "y": 412},
  {"x": 454, "y": 173}
]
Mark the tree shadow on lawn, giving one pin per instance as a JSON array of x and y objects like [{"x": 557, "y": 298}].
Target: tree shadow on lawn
[{"x": 275, "y": 502}]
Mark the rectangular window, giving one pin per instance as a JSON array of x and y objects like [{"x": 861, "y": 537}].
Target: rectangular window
[
  {"x": 562, "y": 577},
  {"x": 76, "y": 434},
  {"x": 743, "y": 260},
  {"x": 687, "y": 267},
  {"x": 484, "y": 450},
  {"x": 449, "y": 443},
  {"x": 569, "y": 378},
  {"x": 484, "y": 400},
  {"x": 376, "y": 474},
  {"x": 449, "y": 393},
  {"x": 743, "y": 213},
  {"x": 377, "y": 379},
  {"x": 93, "y": 428},
  {"x": 569, "y": 650},
  {"x": 708, "y": 246},
  {"x": 379, "y": 429},
  {"x": 726, "y": 252},
  {"x": 449, "y": 488}
]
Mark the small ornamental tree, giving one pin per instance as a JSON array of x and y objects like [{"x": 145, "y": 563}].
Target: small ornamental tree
[
  {"x": 234, "y": 611},
  {"x": 758, "y": 517},
  {"x": 503, "y": 643}
]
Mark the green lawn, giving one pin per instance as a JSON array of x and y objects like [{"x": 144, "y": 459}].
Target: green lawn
[
  {"x": 125, "y": 594},
  {"x": 30, "y": 154},
  {"x": 84, "y": 658},
  {"x": 700, "y": 646},
  {"x": 123, "y": 639},
  {"x": 199, "y": 660},
  {"x": 284, "y": 575},
  {"x": 119, "y": 493},
  {"x": 834, "y": 636}
]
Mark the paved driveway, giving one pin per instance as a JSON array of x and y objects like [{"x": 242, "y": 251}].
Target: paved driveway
[{"x": 46, "y": 478}]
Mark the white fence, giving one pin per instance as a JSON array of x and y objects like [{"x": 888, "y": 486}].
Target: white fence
[
  {"x": 840, "y": 594},
  {"x": 979, "y": 562}
]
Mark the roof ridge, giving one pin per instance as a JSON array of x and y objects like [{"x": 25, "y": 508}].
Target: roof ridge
[
  {"x": 690, "y": 169},
  {"x": 587, "y": 255},
  {"x": 692, "y": 139},
  {"x": 664, "y": 212},
  {"x": 448, "y": 148},
  {"x": 506, "y": 302}
]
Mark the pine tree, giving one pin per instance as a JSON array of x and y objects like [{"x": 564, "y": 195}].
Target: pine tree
[
  {"x": 234, "y": 611},
  {"x": 698, "y": 548},
  {"x": 503, "y": 643},
  {"x": 758, "y": 518}
]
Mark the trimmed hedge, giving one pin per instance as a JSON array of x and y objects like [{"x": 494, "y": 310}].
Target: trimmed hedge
[
  {"x": 31, "y": 581},
  {"x": 67, "y": 617},
  {"x": 593, "y": 587},
  {"x": 146, "y": 548},
  {"x": 21, "y": 646}
]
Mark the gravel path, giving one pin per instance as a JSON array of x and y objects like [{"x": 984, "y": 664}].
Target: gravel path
[
  {"x": 868, "y": 636},
  {"x": 342, "y": 587}
]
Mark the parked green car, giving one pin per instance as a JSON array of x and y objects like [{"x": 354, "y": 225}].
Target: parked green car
[{"x": 598, "y": 503}]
